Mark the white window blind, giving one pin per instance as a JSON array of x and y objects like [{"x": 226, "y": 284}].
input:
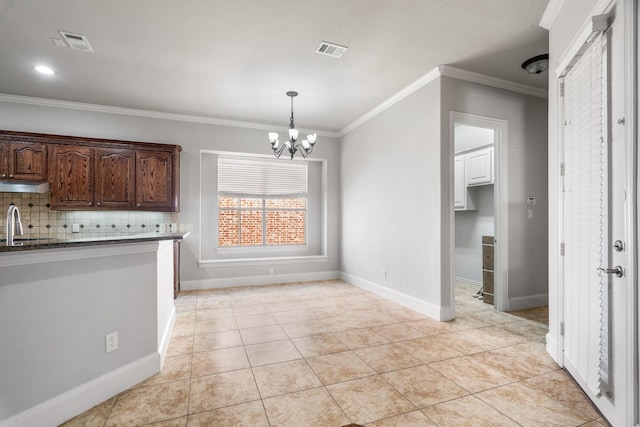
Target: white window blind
[
  {"x": 586, "y": 218},
  {"x": 261, "y": 177}
]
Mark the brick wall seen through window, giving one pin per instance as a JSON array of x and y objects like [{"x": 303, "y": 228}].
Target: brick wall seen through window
[{"x": 250, "y": 221}]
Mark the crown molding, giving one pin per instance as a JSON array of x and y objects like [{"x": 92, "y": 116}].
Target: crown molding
[
  {"x": 422, "y": 81},
  {"x": 551, "y": 13},
  {"x": 97, "y": 108},
  {"x": 447, "y": 71},
  {"x": 483, "y": 79}
]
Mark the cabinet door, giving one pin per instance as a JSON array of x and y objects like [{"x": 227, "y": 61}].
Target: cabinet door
[
  {"x": 459, "y": 183},
  {"x": 479, "y": 167},
  {"x": 115, "y": 178},
  {"x": 27, "y": 161},
  {"x": 4, "y": 157},
  {"x": 71, "y": 177},
  {"x": 154, "y": 180}
]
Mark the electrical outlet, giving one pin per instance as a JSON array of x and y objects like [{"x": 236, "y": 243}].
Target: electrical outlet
[
  {"x": 111, "y": 342},
  {"x": 385, "y": 273},
  {"x": 271, "y": 270},
  {"x": 75, "y": 228}
]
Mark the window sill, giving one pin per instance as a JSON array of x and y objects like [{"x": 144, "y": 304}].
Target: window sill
[
  {"x": 262, "y": 250},
  {"x": 246, "y": 262}
]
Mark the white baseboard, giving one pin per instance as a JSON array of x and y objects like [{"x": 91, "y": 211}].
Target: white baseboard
[
  {"x": 468, "y": 281},
  {"x": 190, "y": 285},
  {"x": 529, "y": 301},
  {"x": 405, "y": 300},
  {"x": 166, "y": 336},
  {"x": 79, "y": 399}
]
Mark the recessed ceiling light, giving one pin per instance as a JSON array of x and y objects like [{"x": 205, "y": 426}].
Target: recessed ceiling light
[{"x": 44, "y": 69}]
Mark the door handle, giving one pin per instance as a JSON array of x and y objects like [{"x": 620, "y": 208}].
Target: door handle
[{"x": 617, "y": 270}]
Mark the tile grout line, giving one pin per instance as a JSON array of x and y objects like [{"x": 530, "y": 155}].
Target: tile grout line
[{"x": 334, "y": 333}]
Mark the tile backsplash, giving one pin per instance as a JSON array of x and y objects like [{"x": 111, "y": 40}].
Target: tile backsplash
[{"x": 38, "y": 220}]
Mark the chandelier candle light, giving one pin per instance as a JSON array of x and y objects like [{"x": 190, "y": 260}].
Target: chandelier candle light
[{"x": 291, "y": 145}]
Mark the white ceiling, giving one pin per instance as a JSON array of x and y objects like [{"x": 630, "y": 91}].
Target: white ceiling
[{"x": 235, "y": 59}]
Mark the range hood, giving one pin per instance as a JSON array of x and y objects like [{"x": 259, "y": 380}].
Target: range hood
[{"x": 24, "y": 187}]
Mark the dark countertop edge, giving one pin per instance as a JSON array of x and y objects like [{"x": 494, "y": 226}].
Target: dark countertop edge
[{"x": 91, "y": 241}]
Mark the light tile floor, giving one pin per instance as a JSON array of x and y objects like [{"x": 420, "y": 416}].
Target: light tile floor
[{"x": 329, "y": 354}]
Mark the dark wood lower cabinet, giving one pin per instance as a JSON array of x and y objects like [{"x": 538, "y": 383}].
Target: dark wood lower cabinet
[{"x": 176, "y": 268}]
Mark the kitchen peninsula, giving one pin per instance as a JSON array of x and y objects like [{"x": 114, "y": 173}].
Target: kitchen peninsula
[{"x": 60, "y": 299}]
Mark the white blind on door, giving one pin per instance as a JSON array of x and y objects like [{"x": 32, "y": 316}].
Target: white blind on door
[
  {"x": 261, "y": 177},
  {"x": 586, "y": 218}
]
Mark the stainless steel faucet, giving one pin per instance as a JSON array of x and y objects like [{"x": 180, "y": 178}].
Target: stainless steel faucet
[{"x": 14, "y": 226}]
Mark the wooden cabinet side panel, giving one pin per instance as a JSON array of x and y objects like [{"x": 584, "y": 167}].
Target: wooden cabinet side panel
[
  {"x": 176, "y": 180},
  {"x": 115, "y": 178},
  {"x": 28, "y": 161},
  {"x": 71, "y": 177}
]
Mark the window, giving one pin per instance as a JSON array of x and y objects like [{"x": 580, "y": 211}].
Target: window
[
  {"x": 286, "y": 199},
  {"x": 261, "y": 203}
]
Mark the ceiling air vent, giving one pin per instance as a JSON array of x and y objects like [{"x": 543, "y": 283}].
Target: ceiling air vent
[
  {"x": 331, "y": 49},
  {"x": 76, "y": 41}
]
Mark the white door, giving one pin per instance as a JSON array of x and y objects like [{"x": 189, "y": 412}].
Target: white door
[{"x": 596, "y": 313}]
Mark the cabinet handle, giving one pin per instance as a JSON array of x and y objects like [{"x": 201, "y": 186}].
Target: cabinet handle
[
  {"x": 138, "y": 204},
  {"x": 98, "y": 204},
  {"x": 90, "y": 204},
  {"x": 10, "y": 176},
  {"x": 4, "y": 175}
]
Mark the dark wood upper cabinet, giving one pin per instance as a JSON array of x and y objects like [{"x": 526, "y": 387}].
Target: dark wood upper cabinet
[
  {"x": 28, "y": 161},
  {"x": 71, "y": 177},
  {"x": 115, "y": 178},
  {"x": 24, "y": 161},
  {"x": 93, "y": 173},
  {"x": 154, "y": 180}
]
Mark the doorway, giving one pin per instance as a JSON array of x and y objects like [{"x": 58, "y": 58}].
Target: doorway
[{"x": 479, "y": 207}]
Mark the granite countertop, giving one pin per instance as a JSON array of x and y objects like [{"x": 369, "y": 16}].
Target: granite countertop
[{"x": 53, "y": 243}]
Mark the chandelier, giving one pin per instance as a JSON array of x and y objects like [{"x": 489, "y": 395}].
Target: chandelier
[{"x": 292, "y": 145}]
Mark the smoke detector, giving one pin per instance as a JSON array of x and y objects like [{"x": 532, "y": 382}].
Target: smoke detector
[
  {"x": 74, "y": 41},
  {"x": 331, "y": 49}
]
